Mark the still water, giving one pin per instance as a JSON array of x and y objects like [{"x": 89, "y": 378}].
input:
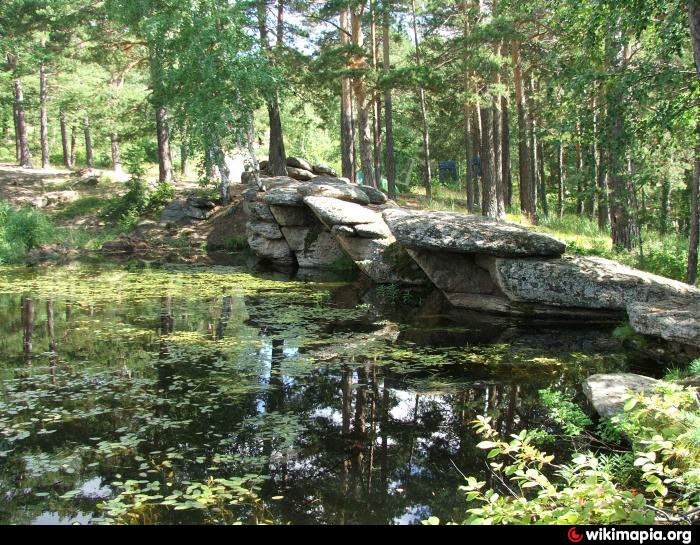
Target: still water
[{"x": 192, "y": 395}]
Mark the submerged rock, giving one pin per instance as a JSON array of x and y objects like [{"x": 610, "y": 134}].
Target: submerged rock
[
  {"x": 608, "y": 392},
  {"x": 460, "y": 233}
]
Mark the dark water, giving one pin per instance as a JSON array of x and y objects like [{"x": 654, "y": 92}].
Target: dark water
[{"x": 215, "y": 395}]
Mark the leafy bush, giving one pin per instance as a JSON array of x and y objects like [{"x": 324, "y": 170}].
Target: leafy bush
[
  {"x": 658, "y": 481},
  {"x": 126, "y": 210},
  {"x": 565, "y": 412},
  {"x": 22, "y": 231}
]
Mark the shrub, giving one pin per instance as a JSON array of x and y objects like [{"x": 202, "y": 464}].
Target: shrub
[
  {"x": 21, "y": 231},
  {"x": 658, "y": 481}
]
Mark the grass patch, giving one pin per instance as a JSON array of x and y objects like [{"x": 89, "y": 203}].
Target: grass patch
[{"x": 81, "y": 207}]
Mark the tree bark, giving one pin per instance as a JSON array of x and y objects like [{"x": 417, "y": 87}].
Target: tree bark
[
  {"x": 376, "y": 101},
  {"x": 476, "y": 155},
  {"x": 497, "y": 143},
  {"x": 506, "y": 177},
  {"x": 528, "y": 192},
  {"x": 88, "y": 145},
  {"x": 347, "y": 129},
  {"x": 73, "y": 145},
  {"x": 489, "y": 206},
  {"x": 183, "y": 158},
  {"x": 165, "y": 163},
  {"x": 694, "y": 19},
  {"x": 25, "y": 159},
  {"x": 561, "y": 180},
  {"x": 64, "y": 140},
  {"x": 277, "y": 155},
  {"x": 43, "y": 121},
  {"x": 116, "y": 156},
  {"x": 361, "y": 101},
  {"x": 691, "y": 276},
  {"x": 389, "y": 161},
  {"x": 427, "y": 173}
]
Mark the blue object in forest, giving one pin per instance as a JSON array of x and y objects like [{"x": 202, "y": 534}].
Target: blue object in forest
[{"x": 447, "y": 169}]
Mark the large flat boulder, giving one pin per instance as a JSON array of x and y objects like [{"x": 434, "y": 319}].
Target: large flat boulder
[
  {"x": 584, "y": 282},
  {"x": 676, "y": 320},
  {"x": 336, "y": 212},
  {"x": 284, "y": 195},
  {"x": 609, "y": 392},
  {"x": 333, "y": 188},
  {"x": 460, "y": 233}
]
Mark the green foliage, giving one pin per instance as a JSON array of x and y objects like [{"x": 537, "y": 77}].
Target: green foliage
[
  {"x": 565, "y": 412},
  {"x": 597, "y": 488},
  {"x": 22, "y": 231},
  {"x": 126, "y": 210},
  {"x": 216, "y": 501},
  {"x": 237, "y": 244}
]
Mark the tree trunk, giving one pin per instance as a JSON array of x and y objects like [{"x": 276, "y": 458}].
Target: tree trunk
[
  {"x": 664, "y": 205},
  {"x": 376, "y": 102},
  {"x": 489, "y": 206},
  {"x": 497, "y": 143},
  {"x": 476, "y": 155},
  {"x": 347, "y": 130},
  {"x": 506, "y": 177},
  {"x": 468, "y": 153},
  {"x": 64, "y": 141},
  {"x": 277, "y": 155},
  {"x": 621, "y": 228},
  {"x": 389, "y": 162},
  {"x": 18, "y": 147},
  {"x": 362, "y": 103},
  {"x": 165, "y": 163},
  {"x": 691, "y": 276},
  {"x": 183, "y": 159},
  {"x": 537, "y": 148},
  {"x": 45, "y": 162},
  {"x": 116, "y": 156},
  {"x": 277, "y": 165},
  {"x": 73, "y": 145},
  {"x": 88, "y": 145},
  {"x": 601, "y": 173},
  {"x": 528, "y": 192},
  {"x": 561, "y": 181},
  {"x": 694, "y": 19},
  {"x": 427, "y": 173},
  {"x": 25, "y": 159}
]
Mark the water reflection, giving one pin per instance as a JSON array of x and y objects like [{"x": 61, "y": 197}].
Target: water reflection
[{"x": 352, "y": 413}]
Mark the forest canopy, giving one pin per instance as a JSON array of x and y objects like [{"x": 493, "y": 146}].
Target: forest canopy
[{"x": 585, "y": 108}]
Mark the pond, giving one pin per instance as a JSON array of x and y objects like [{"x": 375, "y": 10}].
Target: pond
[{"x": 217, "y": 395}]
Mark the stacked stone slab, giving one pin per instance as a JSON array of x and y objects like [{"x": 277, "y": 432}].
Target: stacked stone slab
[
  {"x": 482, "y": 264},
  {"x": 318, "y": 222},
  {"x": 301, "y": 169}
]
